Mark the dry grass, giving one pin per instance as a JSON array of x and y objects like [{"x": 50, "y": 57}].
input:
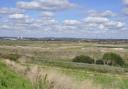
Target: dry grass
[
  {"x": 52, "y": 79},
  {"x": 62, "y": 51}
]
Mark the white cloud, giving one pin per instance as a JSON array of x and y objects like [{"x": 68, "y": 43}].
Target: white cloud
[
  {"x": 120, "y": 24},
  {"x": 125, "y": 9},
  {"x": 46, "y": 5},
  {"x": 28, "y": 5},
  {"x": 8, "y": 11},
  {"x": 125, "y": 2},
  {"x": 96, "y": 20},
  {"x": 106, "y": 13},
  {"x": 18, "y": 16},
  {"x": 70, "y": 25},
  {"x": 47, "y": 14},
  {"x": 71, "y": 22},
  {"x": 47, "y": 24},
  {"x": 101, "y": 26},
  {"x": 4, "y": 26},
  {"x": 102, "y": 20},
  {"x": 114, "y": 25}
]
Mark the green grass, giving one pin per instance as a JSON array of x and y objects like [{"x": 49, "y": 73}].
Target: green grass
[
  {"x": 73, "y": 65},
  {"x": 106, "y": 80},
  {"x": 58, "y": 56},
  {"x": 11, "y": 80}
]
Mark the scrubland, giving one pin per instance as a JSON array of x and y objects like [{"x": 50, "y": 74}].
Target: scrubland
[{"x": 48, "y": 65}]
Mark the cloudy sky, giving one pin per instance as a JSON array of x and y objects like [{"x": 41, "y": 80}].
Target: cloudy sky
[{"x": 64, "y": 18}]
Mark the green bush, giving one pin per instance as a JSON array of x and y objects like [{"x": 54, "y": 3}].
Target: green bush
[
  {"x": 113, "y": 59},
  {"x": 101, "y": 62},
  {"x": 83, "y": 59}
]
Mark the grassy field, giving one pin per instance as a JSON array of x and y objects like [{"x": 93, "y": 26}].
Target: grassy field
[
  {"x": 52, "y": 60},
  {"x": 62, "y": 51},
  {"x": 104, "y": 80}
]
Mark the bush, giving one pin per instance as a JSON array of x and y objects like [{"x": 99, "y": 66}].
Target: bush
[
  {"x": 113, "y": 59},
  {"x": 83, "y": 59},
  {"x": 101, "y": 62}
]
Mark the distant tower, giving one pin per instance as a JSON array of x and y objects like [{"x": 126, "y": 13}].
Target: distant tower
[{"x": 20, "y": 37}]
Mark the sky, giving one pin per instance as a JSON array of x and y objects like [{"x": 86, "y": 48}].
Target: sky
[{"x": 104, "y": 19}]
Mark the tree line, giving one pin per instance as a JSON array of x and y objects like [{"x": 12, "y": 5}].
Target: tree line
[{"x": 108, "y": 58}]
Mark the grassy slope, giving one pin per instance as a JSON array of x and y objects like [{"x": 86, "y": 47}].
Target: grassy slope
[
  {"x": 11, "y": 80},
  {"x": 113, "y": 80},
  {"x": 107, "y": 80}
]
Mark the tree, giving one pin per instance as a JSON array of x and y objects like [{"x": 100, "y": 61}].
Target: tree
[{"x": 112, "y": 59}]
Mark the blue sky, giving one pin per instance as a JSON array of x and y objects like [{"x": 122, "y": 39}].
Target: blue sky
[{"x": 64, "y": 18}]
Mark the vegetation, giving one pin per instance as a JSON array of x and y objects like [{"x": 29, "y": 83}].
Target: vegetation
[
  {"x": 13, "y": 57},
  {"x": 85, "y": 66},
  {"x": 109, "y": 58},
  {"x": 83, "y": 59},
  {"x": 11, "y": 80},
  {"x": 57, "y": 63},
  {"x": 113, "y": 59},
  {"x": 101, "y": 62}
]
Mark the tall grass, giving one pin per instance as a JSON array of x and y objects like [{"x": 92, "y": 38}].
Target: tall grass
[
  {"x": 12, "y": 80},
  {"x": 66, "y": 75},
  {"x": 91, "y": 67},
  {"x": 50, "y": 78}
]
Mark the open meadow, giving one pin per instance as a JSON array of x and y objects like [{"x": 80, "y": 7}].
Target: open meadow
[
  {"x": 63, "y": 44},
  {"x": 48, "y": 64}
]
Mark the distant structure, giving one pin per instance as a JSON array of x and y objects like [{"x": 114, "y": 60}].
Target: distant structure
[{"x": 19, "y": 37}]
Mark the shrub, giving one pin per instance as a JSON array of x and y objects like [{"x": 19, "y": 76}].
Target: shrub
[
  {"x": 113, "y": 59},
  {"x": 101, "y": 62},
  {"x": 83, "y": 59}
]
